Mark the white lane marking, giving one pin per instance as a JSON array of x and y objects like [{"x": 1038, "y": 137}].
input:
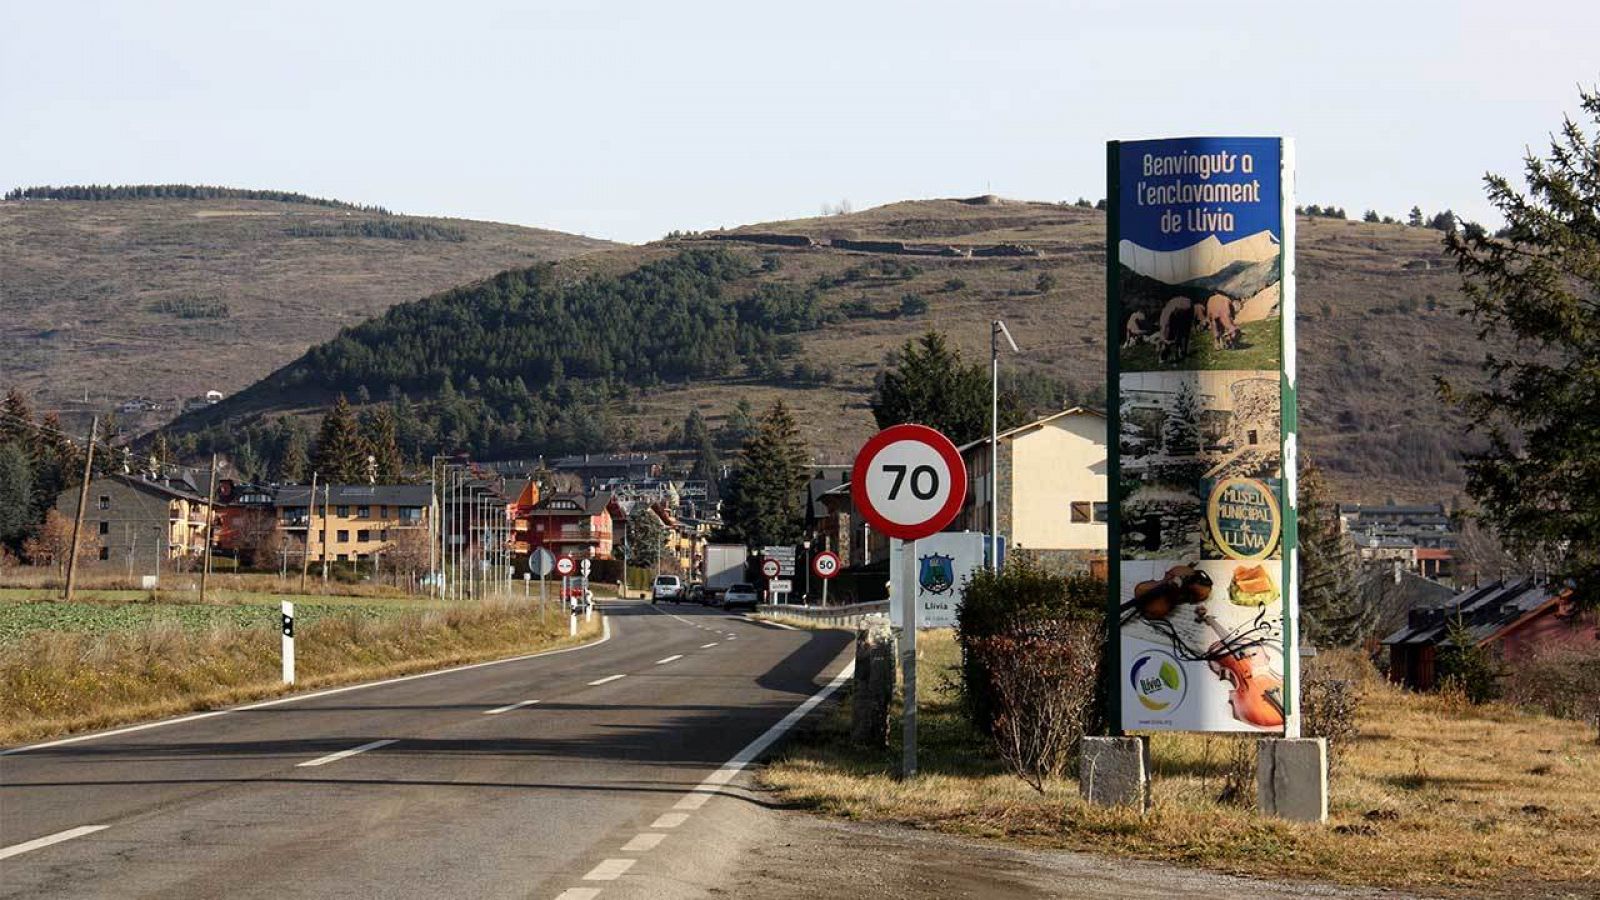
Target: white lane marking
[
  {"x": 506, "y": 709},
  {"x": 605, "y": 635},
  {"x": 609, "y": 869},
  {"x": 693, "y": 800},
  {"x": 346, "y": 754},
  {"x": 780, "y": 625},
  {"x": 643, "y": 843},
  {"x": 47, "y": 840},
  {"x": 710, "y": 645},
  {"x": 703, "y": 792},
  {"x": 662, "y": 662},
  {"x": 733, "y": 637},
  {"x": 578, "y": 894},
  {"x": 669, "y": 820},
  {"x": 606, "y": 679}
]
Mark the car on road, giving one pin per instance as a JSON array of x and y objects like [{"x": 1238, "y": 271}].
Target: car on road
[
  {"x": 740, "y": 595},
  {"x": 666, "y": 587},
  {"x": 696, "y": 593}
]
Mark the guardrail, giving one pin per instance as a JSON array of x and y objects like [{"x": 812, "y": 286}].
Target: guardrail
[{"x": 839, "y": 616}]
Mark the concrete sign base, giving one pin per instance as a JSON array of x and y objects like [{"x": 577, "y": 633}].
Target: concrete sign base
[
  {"x": 1292, "y": 778},
  {"x": 1115, "y": 771}
]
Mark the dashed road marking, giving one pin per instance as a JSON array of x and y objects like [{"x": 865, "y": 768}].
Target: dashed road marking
[
  {"x": 710, "y": 645},
  {"x": 346, "y": 754},
  {"x": 609, "y": 869},
  {"x": 578, "y": 894},
  {"x": 606, "y": 679},
  {"x": 47, "y": 840},
  {"x": 662, "y": 662},
  {"x": 643, "y": 843},
  {"x": 506, "y": 709},
  {"x": 670, "y": 820}
]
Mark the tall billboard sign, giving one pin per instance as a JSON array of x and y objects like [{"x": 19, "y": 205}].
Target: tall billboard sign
[{"x": 1201, "y": 391}]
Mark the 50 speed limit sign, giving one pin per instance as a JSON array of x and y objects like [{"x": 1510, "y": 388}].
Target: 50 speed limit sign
[
  {"x": 909, "y": 481},
  {"x": 825, "y": 564}
]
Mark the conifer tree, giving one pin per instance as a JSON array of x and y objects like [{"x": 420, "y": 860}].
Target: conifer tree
[
  {"x": 1333, "y": 610},
  {"x": 762, "y": 502},
  {"x": 341, "y": 454},
  {"x": 930, "y": 384},
  {"x": 1537, "y": 283},
  {"x": 379, "y": 427}
]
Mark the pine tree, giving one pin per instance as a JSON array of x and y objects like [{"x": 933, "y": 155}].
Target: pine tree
[
  {"x": 1180, "y": 433},
  {"x": 1538, "y": 283},
  {"x": 762, "y": 502},
  {"x": 929, "y": 384},
  {"x": 379, "y": 427},
  {"x": 341, "y": 454},
  {"x": 1333, "y": 610},
  {"x": 1415, "y": 219},
  {"x": 293, "y": 465},
  {"x": 16, "y": 495}
]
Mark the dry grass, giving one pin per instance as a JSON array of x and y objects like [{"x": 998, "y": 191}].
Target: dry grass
[
  {"x": 46, "y": 582},
  {"x": 58, "y": 683},
  {"x": 1434, "y": 795}
]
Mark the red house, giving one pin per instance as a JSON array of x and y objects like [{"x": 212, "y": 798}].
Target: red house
[{"x": 571, "y": 524}]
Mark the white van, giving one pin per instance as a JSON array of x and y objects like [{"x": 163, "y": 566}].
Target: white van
[{"x": 666, "y": 587}]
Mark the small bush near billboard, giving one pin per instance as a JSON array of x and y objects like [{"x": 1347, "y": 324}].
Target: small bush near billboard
[
  {"x": 1023, "y": 601},
  {"x": 1041, "y": 684}
]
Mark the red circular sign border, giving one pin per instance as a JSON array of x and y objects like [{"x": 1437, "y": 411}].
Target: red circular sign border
[
  {"x": 570, "y": 561},
  {"x": 777, "y": 566},
  {"x": 945, "y": 447},
  {"x": 837, "y": 564}
]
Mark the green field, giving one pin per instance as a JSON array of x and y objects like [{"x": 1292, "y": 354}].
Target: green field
[
  {"x": 25, "y": 612},
  {"x": 1259, "y": 352}
]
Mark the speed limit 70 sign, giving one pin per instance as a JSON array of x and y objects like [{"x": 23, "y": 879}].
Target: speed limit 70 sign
[
  {"x": 825, "y": 564},
  {"x": 909, "y": 481}
]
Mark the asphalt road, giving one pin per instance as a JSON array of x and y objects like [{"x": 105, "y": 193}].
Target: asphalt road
[{"x": 567, "y": 775}]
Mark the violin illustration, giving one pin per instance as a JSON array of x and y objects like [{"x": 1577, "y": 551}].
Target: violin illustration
[{"x": 1257, "y": 694}]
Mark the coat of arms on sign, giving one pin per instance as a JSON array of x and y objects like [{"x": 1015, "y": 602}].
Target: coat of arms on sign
[{"x": 937, "y": 574}]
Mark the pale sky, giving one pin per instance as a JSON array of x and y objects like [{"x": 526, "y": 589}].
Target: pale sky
[{"x": 624, "y": 119}]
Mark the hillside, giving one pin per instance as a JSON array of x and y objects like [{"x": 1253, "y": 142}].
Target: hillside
[
  {"x": 169, "y": 297},
  {"x": 1378, "y": 321}
]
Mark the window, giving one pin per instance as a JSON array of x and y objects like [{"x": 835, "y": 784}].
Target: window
[
  {"x": 1102, "y": 512},
  {"x": 322, "y": 534},
  {"x": 344, "y": 536},
  {"x": 105, "y": 501},
  {"x": 105, "y": 527},
  {"x": 383, "y": 512},
  {"x": 363, "y": 512},
  {"x": 363, "y": 535},
  {"x": 105, "y": 552},
  {"x": 344, "y": 511},
  {"x": 1082, "y": 511},
  {"x": 383, "y": 535},
  {"x": 1250, "y": 438},
  {"x": 344, "y": 557},
  {"x": 410, "y": 515}
]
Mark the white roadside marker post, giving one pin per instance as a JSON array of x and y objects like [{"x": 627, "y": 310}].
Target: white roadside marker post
[{"x": 288, "y": 642}]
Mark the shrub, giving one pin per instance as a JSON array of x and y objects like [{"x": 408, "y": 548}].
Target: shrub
[
  {"x": 1468, "y": 668},
  {"x": 1043, "y": 689},
  {"x": 1020, "y": 601},
  {"x": 1558, "y": 681},
  {"x": 1330, "y": 708}
]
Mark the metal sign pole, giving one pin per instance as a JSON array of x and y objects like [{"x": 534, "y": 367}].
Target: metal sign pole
[{"x": 908, "y": 658}]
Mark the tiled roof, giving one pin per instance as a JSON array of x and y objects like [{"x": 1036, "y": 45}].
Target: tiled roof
[{"x": 1484, "y": 611}]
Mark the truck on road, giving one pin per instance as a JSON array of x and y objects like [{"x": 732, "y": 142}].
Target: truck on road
[{"x": 722, "y": 567}]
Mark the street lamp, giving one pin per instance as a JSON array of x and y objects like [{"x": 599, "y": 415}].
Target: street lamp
[{"x": 996, "y": 330}]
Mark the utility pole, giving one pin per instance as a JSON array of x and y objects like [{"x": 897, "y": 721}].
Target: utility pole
[
  {"x": 327, "y": 498},
  {"x": 211, "y": 518},
  {"x": 83, "y": 507},
  {"x": 996, "y": 329},
  {"x": 311, "y": 508}
]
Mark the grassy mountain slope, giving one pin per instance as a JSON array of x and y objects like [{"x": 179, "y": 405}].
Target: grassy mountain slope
[
  {"x": 167, "y": 297},
  {"x": 1377, "y": 322}
]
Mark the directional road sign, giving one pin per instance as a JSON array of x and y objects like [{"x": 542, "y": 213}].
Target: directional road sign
[
  {"x": 770, "y": 568},
  {"x": 584, "y": 567},
  {"x": 825, "y": 564},
  {"x": 565, "y": 566},
  {"x": 909, "y": 481}
]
